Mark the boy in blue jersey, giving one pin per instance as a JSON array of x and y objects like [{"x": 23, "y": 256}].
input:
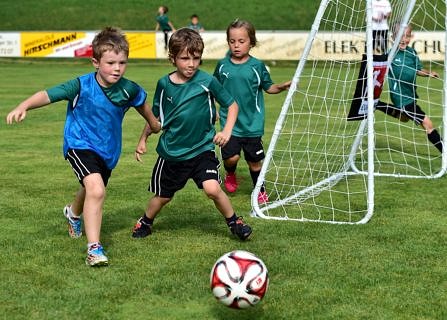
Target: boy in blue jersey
[
  {"x": 184, "y": 104},
  {"x": 404, "y": 69},
  {"x": 97, "y": 103},
  {"x": 245, "y": 77}
]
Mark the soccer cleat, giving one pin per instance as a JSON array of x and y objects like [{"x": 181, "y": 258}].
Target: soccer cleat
[
  {"x": 96, "y": 256},
  {"x": 241, "y": 229},
  {"x": 74, "y": 224},
  {"x": 230, "y": 182},
  {"x": 141, "y": 229},
  {"x": 263, "y": 197}
]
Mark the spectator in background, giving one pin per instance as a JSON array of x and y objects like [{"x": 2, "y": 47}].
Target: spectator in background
[
  {"x": 195, "y": 24},
  {"x": 381, "y": 10},
  {"x": 164, "y": 24}
]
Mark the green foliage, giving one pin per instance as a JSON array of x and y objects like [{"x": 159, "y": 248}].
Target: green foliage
[
  {"x": 391, "y": 268},
  {"x": 140, "y": 15}
]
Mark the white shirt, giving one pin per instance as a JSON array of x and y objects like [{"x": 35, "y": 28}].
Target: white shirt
[{"x": 381, "y": 9}]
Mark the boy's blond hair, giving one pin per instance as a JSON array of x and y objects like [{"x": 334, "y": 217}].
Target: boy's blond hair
[{"x": 109, "y": 39}]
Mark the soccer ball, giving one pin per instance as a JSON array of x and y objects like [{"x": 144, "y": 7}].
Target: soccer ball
[{"x": 239, "y": 279}]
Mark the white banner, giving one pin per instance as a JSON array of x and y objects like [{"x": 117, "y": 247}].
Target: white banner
[{"x": 272, "y": 45}]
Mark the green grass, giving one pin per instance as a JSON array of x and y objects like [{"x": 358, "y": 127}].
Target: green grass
[{"x": 391, "y": 268}]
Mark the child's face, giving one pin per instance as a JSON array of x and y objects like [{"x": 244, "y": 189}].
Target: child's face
[
  {"x": 161, "y": 11},
  {"x": 406, "y": 37},
  {"x": 194, "y": 20},
  {"x": 187, "y": 64},
  {"x": 239, "y": 43},
  {"x": 110, "y": 68}
]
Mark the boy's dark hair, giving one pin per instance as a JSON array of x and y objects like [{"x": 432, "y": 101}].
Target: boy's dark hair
[
  {"x": 185, "y": 38},
  {"x": 194, "y": 16},
  {"x": 110, "y": 38},
  {"x": 243, "y": 24}
]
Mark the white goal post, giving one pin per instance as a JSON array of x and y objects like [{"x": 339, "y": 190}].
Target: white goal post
[{"x": 330, "y": 140}]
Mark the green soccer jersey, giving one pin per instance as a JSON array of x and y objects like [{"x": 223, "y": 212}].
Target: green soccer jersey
[
  {"x": 246, "y": 83},
  {"x": 187, "y": 114},
  {"x": 163, "y": 21},
  {"x": 402, "y": 77}
]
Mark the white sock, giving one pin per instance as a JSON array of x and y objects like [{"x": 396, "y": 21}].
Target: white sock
[{"x": 71, "y": 214}]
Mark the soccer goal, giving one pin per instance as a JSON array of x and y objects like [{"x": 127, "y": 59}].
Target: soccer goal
[{"x": 338, "y": 131}]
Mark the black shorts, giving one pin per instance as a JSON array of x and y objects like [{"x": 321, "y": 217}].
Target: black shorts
[
  {"x": 414, "y": 112},
  {"x": 170, "y": 176},
  {"x": 86, "y": 162},
  {"x": 252, "y": 147}
]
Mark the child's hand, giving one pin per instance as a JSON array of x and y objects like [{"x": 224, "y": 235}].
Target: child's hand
[
  {"x": 285, "y": 85},
  {"x": 17, "y": 115},
  {"x": 221, "y": 139},
  {"x": 433, "y": 74},
  {"x": 140, "y": 150}
]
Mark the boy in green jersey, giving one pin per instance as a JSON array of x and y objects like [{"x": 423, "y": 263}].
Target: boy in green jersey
[
  {"x": 245, "y": 77},
  {"x": 184, "y": 105},
  {"x": 404, "y": 69}
]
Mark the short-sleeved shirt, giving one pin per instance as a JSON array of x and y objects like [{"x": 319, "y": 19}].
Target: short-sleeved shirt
[
  {"x": 163, "y": 21},
  {"x": 246, "y": 83},
  {"x": 402, "y": 77},
  {"x": 187, "y": 114},
  {"x": 196, "y": 27},
  {"x": 95, "y": 114}
]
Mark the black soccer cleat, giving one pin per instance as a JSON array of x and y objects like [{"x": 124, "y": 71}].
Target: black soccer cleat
[
  {"x": 241, "y": 229},
  {"x": 141, "y": 229}
]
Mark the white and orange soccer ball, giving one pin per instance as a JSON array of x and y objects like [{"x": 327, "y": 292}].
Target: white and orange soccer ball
[{"x": 239, "y": 279}]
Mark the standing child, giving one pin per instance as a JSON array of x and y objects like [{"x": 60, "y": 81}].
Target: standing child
[
  {"x": 195, "y": 24},
  {"x": 97, "y": 103},
  {"x": 404, "y": 69},
  {"x": 164, "y": 24},
  {"x": 184, "y": 104},
  {"x": 245, "y": 77}
]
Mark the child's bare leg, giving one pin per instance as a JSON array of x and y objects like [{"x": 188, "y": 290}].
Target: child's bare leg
[
  {"x": 231, "y": 162},
  {"x": 95, "y": 192},
  {"x": 155, "y": 204},
  {"x": 222, "y": 202},
  {"x": 213, "y": 191},
  {"x": 78, "y": 203}
]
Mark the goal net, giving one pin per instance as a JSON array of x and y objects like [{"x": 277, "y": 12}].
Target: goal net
[{"x": 338, "y": 129}]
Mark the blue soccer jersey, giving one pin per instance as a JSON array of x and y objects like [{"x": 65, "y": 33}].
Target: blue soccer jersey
[{"x": 95, "y": 114}]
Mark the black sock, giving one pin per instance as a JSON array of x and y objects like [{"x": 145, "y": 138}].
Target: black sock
[
  {"x": 231, "y": 220},
  {"x": 254, "y": 177},
  {"x": 389, "y": 109},
  {"x": 147, "y": 220},
  {"x": 435, "y": 138},
  {"x": 231, "y": 169}
]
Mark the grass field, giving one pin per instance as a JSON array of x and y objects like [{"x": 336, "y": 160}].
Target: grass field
[{"x": 391, "y": 268}]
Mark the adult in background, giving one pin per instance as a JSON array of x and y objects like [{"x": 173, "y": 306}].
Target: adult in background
[{"x": 381, "y": 11}]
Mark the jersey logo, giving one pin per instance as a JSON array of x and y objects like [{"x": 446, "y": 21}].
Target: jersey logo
[
  {"x": 169, "y": 99},
  {"x": 227, "y": 74}
]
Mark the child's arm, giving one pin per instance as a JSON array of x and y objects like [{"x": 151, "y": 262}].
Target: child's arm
[
  {"x": 222, "y": 138},
  {"x": 171, "y": 25},
  {"x": 37, "y": 100},
  {"x": 277, "y": 88},
  {"x": 427, "y": 73},
  {"x": 146, "y": 112},
  {"x": 152, "y": 126}
]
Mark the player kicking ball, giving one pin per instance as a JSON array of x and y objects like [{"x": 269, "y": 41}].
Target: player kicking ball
[{"x": 184, "y": 105}]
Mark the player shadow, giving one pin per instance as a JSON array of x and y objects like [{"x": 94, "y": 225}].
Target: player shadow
[{"x": 225, "y": 313}]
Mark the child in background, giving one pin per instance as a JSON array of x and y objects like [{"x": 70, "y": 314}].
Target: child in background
[
  {"x": 184, "y": 104},
  {"x": 164, "y": 24},
  {"x": 404, "y": 69},
  {"x": 245, "y": 77},
  {"x": 97, "y": 103},
  {"x": 195, "y": 24}
]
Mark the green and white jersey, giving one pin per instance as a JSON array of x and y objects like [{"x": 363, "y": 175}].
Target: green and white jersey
[
  {"x": 245, "y": 82},
  {"x": 187, "y": 114},
  {"x": 163, "y": 21},
  {"x": 402, "y": 77}
]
